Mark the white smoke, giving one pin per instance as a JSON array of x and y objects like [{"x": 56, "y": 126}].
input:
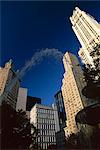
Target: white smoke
[{"x": 36, "y": 59}]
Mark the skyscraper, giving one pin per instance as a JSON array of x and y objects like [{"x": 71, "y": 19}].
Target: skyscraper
[
  {"x": 87, "y": 30},
  {"x": 73, "y": 83},
  {"x": 7, "y": 74}
]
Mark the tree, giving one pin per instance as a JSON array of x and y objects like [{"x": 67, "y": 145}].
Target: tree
[
  {"x": 92, "y": 76},
  {"x": 15, "y": 129},
  {"x": 88, "y": 119},
  {"x": 73, "y": 141}
]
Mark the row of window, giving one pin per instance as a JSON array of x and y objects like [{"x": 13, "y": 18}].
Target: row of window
[
  {"x": 46, "y": 126},
  {"x": 81, "y": 35},
  {"x": 46, "y": 121},
  {"x": 47, "y": 139},
  {"x": 90, "y": 26},
  {"x": 85, "y": 31},
  {"x": 45, "y": 145},
  {"x": 46, "y": 132},
  {"x": 48, "y": 111},
  {"x": 45, "y": 116}
]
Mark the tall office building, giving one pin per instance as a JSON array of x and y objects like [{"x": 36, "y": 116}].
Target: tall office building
[
  {"x": 87, "y": 30},
  {"x": 7, "y": 74},
  {"x": 43, "y": 119},
  {"x": 72, "y": 86},
  {"x": 22, "y": 99}
]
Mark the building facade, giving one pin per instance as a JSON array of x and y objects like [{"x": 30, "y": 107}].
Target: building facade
[
  {"x": 9, "y": 84},
  {"x": 43, "y": 119},
  {"x": 87, "y": 30},
  {"x": 60, "y": 135},
  {"x": 22, "y": 99},
  {"x": 72, "y": 86},
  {"x": 60, "y": 108}
]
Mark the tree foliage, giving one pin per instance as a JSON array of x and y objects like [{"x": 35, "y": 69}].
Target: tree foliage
[
  {"x": 73, "y": 141},
  {"x": 92, "y": 75},
  {"x": 15, "y": 129}
]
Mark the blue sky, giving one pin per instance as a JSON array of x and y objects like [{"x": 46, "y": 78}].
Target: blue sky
[{"x": 30, "y": 26}]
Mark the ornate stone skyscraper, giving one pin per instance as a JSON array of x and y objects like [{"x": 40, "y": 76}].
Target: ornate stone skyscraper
[
  {"x": 7, "y": 74},
  {"x": 73, "y": 83},
  {"x": 87, "y": 30}
]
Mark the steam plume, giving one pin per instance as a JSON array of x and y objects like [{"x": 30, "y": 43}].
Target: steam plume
[{"x": 38, "y": 57}]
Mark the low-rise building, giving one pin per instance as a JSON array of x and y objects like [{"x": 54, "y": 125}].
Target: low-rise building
[{"x": 43, "y": 119}]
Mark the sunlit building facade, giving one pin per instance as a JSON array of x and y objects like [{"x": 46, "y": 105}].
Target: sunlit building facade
[
  {"x": 43, "y": 118},
  {"x": 21, "y": 99},
  {"x": 73, "y": 83},
  {"x": 8, "y": 91},
  {"x": 87, "y": 30}
]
